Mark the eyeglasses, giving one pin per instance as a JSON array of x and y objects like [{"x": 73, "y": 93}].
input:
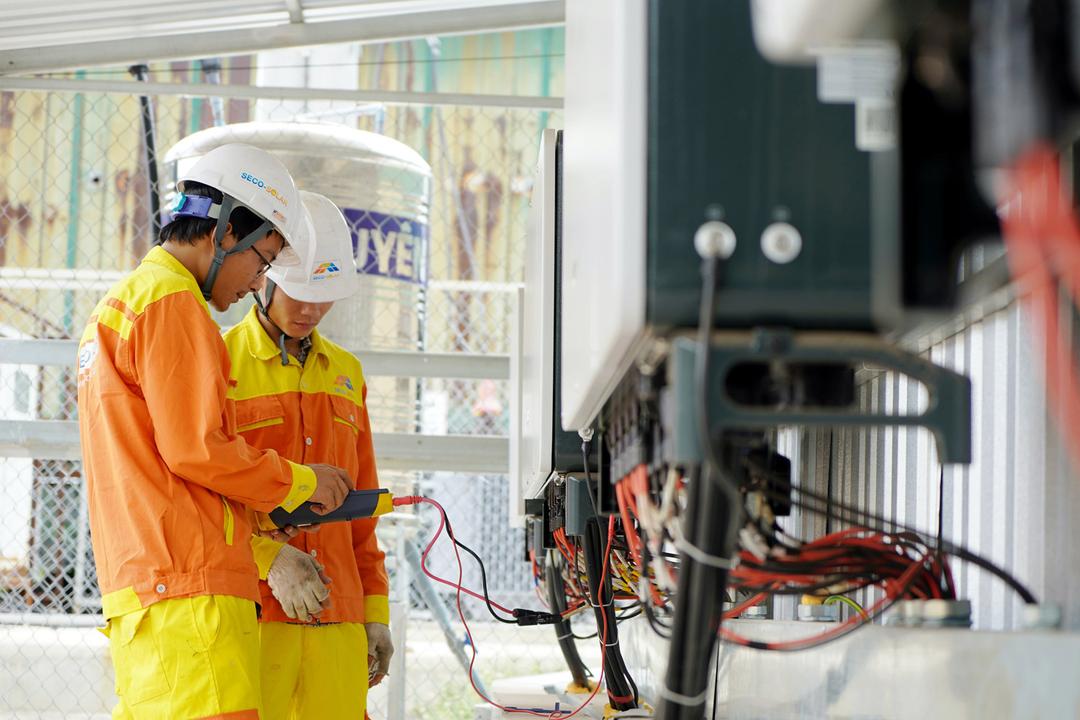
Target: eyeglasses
[{"x": 266, "y": 263}]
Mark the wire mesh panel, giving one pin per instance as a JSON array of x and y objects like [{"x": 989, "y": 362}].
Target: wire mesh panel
[{"x": 76, "y": 215}]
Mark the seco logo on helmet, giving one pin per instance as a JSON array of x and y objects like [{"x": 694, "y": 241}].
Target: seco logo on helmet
[
  {"x": 258, "y": 182},
  {"x": 261, "y": 183}
]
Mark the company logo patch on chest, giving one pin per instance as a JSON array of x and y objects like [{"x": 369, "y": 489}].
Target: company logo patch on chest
[
  {"x": 87, "y": 355},
  {"x": 343, "y": 381}
]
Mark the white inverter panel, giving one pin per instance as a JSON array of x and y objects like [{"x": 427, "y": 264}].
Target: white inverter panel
[
  {"x": 531, "y": 447},
  {"x": 604, "y": 199}
]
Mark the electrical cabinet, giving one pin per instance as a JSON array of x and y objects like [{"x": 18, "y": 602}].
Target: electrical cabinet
[{"x": 689, "y": 123}]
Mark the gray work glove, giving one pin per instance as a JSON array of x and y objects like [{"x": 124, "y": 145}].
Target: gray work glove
[
  {"x": 380, "y": 649},
  {"x": 299, "y": 584}
]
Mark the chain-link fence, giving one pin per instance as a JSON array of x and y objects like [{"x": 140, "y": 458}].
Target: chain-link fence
[{"x": 76, "y": 214}]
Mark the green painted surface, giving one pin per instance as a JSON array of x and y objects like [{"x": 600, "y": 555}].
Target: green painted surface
[{"x": 733, "y": 135}]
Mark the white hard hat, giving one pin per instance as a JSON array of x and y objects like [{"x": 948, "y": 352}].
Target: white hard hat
[
  {"x": 332, "y": 274},
  {"x": 260, "y": 182}
]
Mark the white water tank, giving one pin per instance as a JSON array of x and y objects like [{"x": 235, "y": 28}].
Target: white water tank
[{"x": 384, "y": 189}]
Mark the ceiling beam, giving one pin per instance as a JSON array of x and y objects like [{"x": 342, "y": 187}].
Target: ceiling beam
[{"x": 237, "y": 41}]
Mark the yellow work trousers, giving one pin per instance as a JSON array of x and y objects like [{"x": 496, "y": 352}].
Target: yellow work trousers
[
  {"x": 192, "y": 657},
  {"x": 315, "y": 672}
]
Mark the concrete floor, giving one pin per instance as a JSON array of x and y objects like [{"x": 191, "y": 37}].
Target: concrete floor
[{"x": 65, "y": 672}]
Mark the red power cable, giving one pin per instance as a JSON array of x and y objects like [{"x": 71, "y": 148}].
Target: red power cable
[
  {"x": 637, "y": 482},
  {"x": 743, "y": 606},
  {"x": 843, "y": 554},
  {"x": 1042, "y": 236},
  {"x": 459, "y": 589},
  {"x": 414, "y": 499},
  {"x": 845, "y": 627}
]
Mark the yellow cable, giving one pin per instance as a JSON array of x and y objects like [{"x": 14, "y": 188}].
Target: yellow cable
[{"x": 833, "y": 599}]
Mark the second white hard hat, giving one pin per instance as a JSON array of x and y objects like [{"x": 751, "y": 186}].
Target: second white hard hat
[{"x": 332, "y": 274}]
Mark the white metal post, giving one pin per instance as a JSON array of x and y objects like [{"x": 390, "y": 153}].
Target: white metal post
[{"x": 399, "y": 622}]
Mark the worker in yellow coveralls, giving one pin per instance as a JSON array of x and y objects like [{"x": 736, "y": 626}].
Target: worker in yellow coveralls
[{"x": 303, "y": 396}]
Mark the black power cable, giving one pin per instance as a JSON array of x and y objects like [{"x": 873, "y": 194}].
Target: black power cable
[
  {"x": 622, "y": 691},
  {"x": 698, "y": 612},
  {"x": 522, "y": 617},
  {"x": 711, "y": 525},
  {"x": 483, "y": 583},
  {"x": 563, "y": 632}
]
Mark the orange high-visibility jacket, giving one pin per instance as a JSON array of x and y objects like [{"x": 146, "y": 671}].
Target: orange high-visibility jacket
[
  {"x": 167, "y": 476},
  {"x": 313, "y": 414}
]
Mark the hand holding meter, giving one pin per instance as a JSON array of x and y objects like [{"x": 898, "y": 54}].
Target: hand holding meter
[{"x": 358, "y": 504}]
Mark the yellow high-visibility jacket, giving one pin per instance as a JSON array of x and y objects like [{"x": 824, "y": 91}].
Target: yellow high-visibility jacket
[{"x": 315, "y": 413}]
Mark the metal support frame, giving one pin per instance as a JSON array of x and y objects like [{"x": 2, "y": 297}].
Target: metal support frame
[
  {"x": 59, "y": 440},
  {"x": 459, "y": 366},
  {"x": 43, "y": 278},
  {"x": 442, "y": 453},
  {"x": 947, "y": 415},
  {"x": 296, "y": 11},
  {"x": 48, "y": 439},
  {"x": 388, "y": 363},
  {"x": 42, "y": 439},
  {"x": 141, "y": 73},
  {"x": 239, "y": 40},
  {"x": 33, "y": 351},
  {"x": 389, "y": 97},
  {"x": 37, "y": 278}
]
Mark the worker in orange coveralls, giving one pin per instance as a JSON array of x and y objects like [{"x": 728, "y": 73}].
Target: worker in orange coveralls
[
  {"x": 304, "y": 396},
  {"x": 167, "y": 476}
]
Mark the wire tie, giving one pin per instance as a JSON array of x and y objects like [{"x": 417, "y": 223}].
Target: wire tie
[
  {"x": 697, "y": 554},
  {"x": 675, "y": 697}
]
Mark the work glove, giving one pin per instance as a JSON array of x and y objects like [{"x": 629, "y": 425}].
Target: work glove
[
  {"x": 380, "y": 650},
  {"x": 299, "y": 584}
]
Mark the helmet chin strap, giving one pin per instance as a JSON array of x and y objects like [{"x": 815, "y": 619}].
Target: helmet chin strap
[
  {"x": 227, "y": 204},
  {"x": 264, "y": 308}
]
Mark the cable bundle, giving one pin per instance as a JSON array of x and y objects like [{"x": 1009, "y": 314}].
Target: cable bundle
[
  {"x": 847, "y": 561},
  {"x": 599, "y": 597}
]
